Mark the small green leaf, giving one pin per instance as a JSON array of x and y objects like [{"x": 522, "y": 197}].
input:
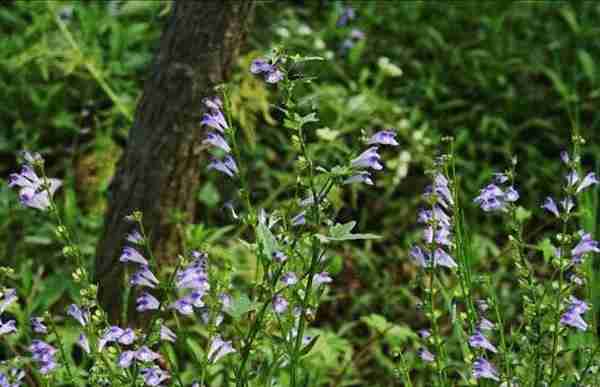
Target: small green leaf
[
  {"x": 240, "y": 306},
  {"x": 342, "y": 232},
  {"x": 266, "y": 240},
  {"x": 376, "y": 322}
]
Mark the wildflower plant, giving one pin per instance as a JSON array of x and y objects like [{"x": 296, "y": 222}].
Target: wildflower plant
[
  {"x": 254, "y": 334},
  {"x": 539, "y": 347}
]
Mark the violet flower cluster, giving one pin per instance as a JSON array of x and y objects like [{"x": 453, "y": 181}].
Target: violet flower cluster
[
  {"x": 482, "y": 368},
  {"x": 437, "y": 220},
  {"x": 370, "y": 158},
  {"x": 215, "y": 119},
  {"x": 575, "y": 185},
  {"x": 497, "y": 196},
  {"x": 269, "y": 69},
  {"x": 34, "y": 191}
]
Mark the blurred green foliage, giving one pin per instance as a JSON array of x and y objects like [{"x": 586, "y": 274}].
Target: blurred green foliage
[{"x": 505, "y": 79}]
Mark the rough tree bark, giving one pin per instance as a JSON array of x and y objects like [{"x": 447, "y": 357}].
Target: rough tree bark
[{"x": 158, "y": 173}]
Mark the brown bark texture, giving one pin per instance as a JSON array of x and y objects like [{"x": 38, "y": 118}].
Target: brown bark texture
[{"x": 159, "y": 171}]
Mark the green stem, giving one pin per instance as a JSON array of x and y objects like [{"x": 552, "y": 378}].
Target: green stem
[{"x": 61, "y": 348}]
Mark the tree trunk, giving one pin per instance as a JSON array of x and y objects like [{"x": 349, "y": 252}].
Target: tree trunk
[{"x": 159, "y": 171}]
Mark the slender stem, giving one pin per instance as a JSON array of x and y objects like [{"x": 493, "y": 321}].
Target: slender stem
[
  {"x": 62, "y": 349},
  {"x": 503, "y": 345},
  {"x": 557, "y": 305},
  {"x": 248, "y": 344}
]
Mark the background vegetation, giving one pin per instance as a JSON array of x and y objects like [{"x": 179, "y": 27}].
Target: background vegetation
[{"x": 505, "y": 79}]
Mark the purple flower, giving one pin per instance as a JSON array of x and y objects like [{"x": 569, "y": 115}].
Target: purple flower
[
  {"x": 441, "y": 187},
  {"x": 572, "y": 316},
  {"x": 478, "y": 340},
  {"x": 183, "y": 306},
  {"x": 127, "y": 337},
  {"x": 322, "y": 278},
  {"x": 280, "y": 304},
  {"x": 260, "y": 66},
  {"x": 564, "y": 156},
  {"x": 500, "y": 178},
  {"x": 419, "y": 256},
  {"x": 442, "y": 236},
  {"x": 589, "y": 180},
  {"x": 78, "y": 314},
  {"x": 368, "y": 159},
  {"x": 37, "y": 325},
  {"x": 360, "y": 177},
  {"x": 270, "y": 71},
  {"x": 347, "y": 15},
  {"x": 550, "y": 206},
  {"x": 147, "y": 302},
  {"x": 144, "y": 277},
  {"x": 145, "y": 354},
  {"x": 384, "y": 137},
  {"x": 279, "y": 257},
  {"x": 274, "y": 76},
  {"x": 485, "y": 325},
  {"x": 441, "y": 258},
  {"x": 110, "y": 335},
  {"x": 34, "y": 191},
  {"x": 43, "y": 354},
  {"x": 7, "y": 327},
  {"x": 154, "y": 376},
  {"x": 219, "y": 348},
  {"x": 227, "y": 166},
  {"x": 166, "y": 334},
  {"x": 572, "y": 178},
  {"x": 299, "y": 219},
  {"x": 213, "y": 103},
  {"x": 425, "y": 355},
  {"x": 216, "y": 140},
  {"x": 135, "y": 237},
  {"x": 126, "y": 358},
  {"x": 492, "y": 198},
  {"x": 424, "y": 333},
  {"x": 8, "y": 297},
  {"x": 130, "y": 254},
  {"x": 83, "y": 343},
  {"x": 289, "y": 278},
  {"x": 214, "y": 118},
  {"x": 484, "y": 369},
  {"x": 586, "y": 245}
]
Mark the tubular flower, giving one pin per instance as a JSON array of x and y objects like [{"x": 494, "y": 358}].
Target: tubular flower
[
  {"x": 219, "y": 348},
  {"x": 384, "y": 137},
  {"x": 43, "y": 354},
  {"x": 484, "y": 369},
  {"x": 478, "y": 340},
  {"x": 34, "y": 192},
  {"x": 493, "y": 198},
  {"x": 270, "y": 71},
  {"x": 572, "y": 317},
  {"x": 437, "y": 233}
]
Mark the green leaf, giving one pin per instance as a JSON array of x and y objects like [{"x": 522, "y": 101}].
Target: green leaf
[
  {"x": 266, "y": 240},
  {"x": 240, "y": 306},
  {"x": 342, "y": 232},
  {"x": 209, "y": 195},
  {"x": 327, "y": 134},
  {"x": 376, "y": 322},
  {"x": 522, "y": 214}
]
